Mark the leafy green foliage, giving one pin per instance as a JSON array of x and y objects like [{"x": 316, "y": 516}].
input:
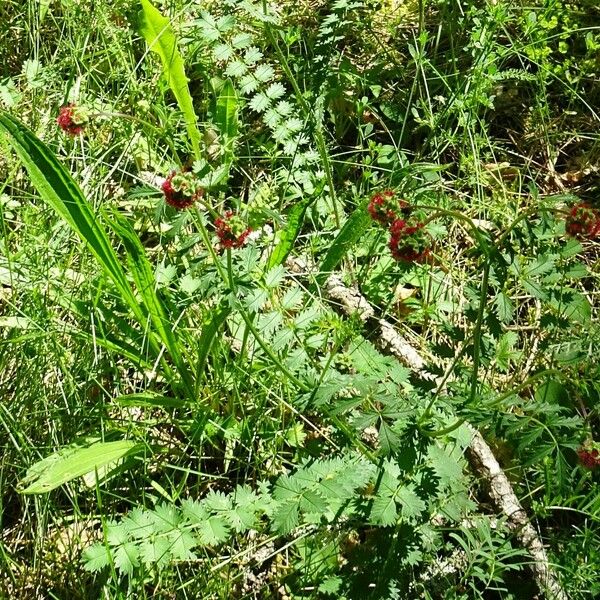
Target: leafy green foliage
[{"x": 289, "y": 455}]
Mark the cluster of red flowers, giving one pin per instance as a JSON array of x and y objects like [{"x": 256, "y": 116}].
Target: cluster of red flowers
[
  {"x": 384, "y": 207},
  {"x": 72, "y": 119},
  {"x": 181, "y": 190},
  {"x": 583, "y": 221},
  {"x": 231, "y": 230},
  {"x": 409, "y": 241},
  {"x": 589, "y": 457}
]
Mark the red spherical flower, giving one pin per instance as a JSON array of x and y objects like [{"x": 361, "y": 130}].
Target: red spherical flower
[
  {"x": 231, "y": 230},
  {"x": 384, "y": 207},
  {"x": 181, "y": 190},
  {"x": 408, "y": 242},
  {"x": 583, "y": 221},
  {"x": 589, "y": 458},
  {"x": 72, "y": 119}
]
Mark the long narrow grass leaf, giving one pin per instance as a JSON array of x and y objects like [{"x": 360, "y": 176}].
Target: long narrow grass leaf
[
  {"x": 226, "y": 119},
  {"x": 209, "y": 331},
  {"x": 58, "y": 189},
  {"x": 159, "y": 35},
  {"x": 143, "y": 276},
  {"x": 71, "y": 462}
]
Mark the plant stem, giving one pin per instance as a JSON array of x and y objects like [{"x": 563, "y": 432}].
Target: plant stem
[{"x": 228, "y": 279}]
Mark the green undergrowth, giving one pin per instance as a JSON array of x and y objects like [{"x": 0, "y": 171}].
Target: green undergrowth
[{"x": 184, "y": 419}]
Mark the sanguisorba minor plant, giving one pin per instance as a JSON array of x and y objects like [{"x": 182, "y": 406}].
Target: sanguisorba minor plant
[{"x": 384, "y": 477}]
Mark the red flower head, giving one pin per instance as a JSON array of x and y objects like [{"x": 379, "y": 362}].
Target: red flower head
[
  {"x": 231, "y": 230},
  {"x": 589, "y": 457},
  {"x": 181, "y": 190},
  {"x": 583, "y": 221},
  {"x": 384, "y": 207},
  {"x": 408, "y": 243},
  {"x": 72, "y": 119}
]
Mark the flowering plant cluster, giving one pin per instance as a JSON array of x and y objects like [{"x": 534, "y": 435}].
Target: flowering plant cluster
[
  {"x": 181, "y": 190},
  {"x": 583, "y": 221},
  {"x": 409, "y": 242},
  {"x": 589, "y": 456},
  {"x": 231, "y": 230},
  {"x": 72, "y": 119}
]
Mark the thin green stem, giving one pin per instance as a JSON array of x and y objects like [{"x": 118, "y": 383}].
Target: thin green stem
[
  {"x": 481, "y": 243},
  {"x": 522, "y": 387},
  {"x": 477, "y": 330},
  {"x": 445, "y": 431},
  {"x": 228, "y": 278}
]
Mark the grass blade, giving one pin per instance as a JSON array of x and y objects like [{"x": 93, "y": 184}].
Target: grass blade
[
  {"x": 226, "y": 119},
  {"x": 58, "y": 189},
  {"x": 159, "y": 35},
  {"x": 351, "y": 232},
  {"x": 71, "y": 462},
  {"x": 209, "y": 331},
  {"x": 149, "y": 400},
  {"x": 143, "y": 275}
]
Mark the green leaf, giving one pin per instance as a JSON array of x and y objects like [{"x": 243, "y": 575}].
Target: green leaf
[
  {"x": 330, "y": 586},
  {"x": 138, "y": 524},
  {"x": 352, "y": 231},
  {"x": 448, "y": 470},
  {"x": 285, "y": 517},
  {"x": 411, "y": 504},
  {"x": 71, "y": 462},
  {"x": 572, "y": 305},
  {"x": 289, "y": 234},
  {"x": 127, "y": 557},
  {"x": 504, "y": 307},
  {"x": 95, "y": 558},
  {"x": 143, "y": 275},
  {"x": 226, "y": 119},
  {"x": 260, "y": 102},
  {"x": 505, "y": 352},
  {"x": 552, "y": 392},
  {"x": 149, "y": 399},
  {"x": 384, "y": 511},
  {"x": 274, "y": 276},
  {"x": 541, "y": 265},
  {"x": 161, "y": 39},
  {"x": 182, "y": 544},
  {"x": 156, "y": 552},
  {"x": 57, "y": 188},
  {"x": 213, "y": 531},
  {"x": 388, "y": 438},
  {"x": 264, "y": 72}
]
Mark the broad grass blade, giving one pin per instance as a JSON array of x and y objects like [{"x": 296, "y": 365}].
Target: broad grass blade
[
  {"x": 289, "y": 234},
  {"x": 71, "y": 462},
  {"x": 159, "y": 35},
  {"x": 351, "y": 232},
  {"x": 58, "y": 189}
]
